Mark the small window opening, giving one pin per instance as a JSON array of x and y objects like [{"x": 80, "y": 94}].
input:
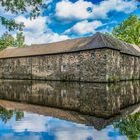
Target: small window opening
[
  {"x": 64, "y": 67},
  {"x": 93, "y": 56},
  {"x": 63, "y": 93},
  {"x": 48, "y": 67},
  {"x": 78, "y": 67}
]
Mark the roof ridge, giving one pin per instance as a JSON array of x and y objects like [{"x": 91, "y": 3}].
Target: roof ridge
[
  {"x": 102, "y": 37},
  {"x": 93, "y": 37},
  {"x": 69, "y": 39}
]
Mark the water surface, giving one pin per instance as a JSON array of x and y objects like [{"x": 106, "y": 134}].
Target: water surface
[
  {"x": 22, "y": 125},
  {"x": 37, "y": 110}
]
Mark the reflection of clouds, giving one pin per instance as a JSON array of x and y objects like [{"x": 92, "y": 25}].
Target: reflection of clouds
[
  {"x": 87, "y": 133},
  {"x": 39, "y": 127},
  {"x": 13, "y": 137},
  {"x": 73, "y": 134},
  {"x": 31, "y": 122}
]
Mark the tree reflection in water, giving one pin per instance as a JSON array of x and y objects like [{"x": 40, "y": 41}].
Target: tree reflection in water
[
  {"x": 129, "y": 126},
  {"x": 6, "y": 115}
]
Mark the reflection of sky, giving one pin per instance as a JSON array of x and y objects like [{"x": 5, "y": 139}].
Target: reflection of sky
[{"x": 38, "y": 127}]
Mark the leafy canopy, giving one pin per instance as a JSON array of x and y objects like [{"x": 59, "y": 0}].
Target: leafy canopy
[
  {"x": 30, "y": 7},
  {"x": 6, "y": 115},
  {"x": 8, "y": 40},
  {"x": 19, "y": 41},
  {"x": 128, "y": 30},
  {"x": 129, "y": 126},
  {"x": 19, "y": 7}
]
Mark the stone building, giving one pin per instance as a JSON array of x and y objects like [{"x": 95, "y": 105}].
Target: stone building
[{"x": 98, "y": 58}]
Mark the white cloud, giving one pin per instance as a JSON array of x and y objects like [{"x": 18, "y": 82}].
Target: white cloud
[
  {"x": 36, "y": 31},
  {"x": 47, "y": 1},
  {"x": 81, "y": 9},
  {"x": 84, "y": 27},
  {"x": 34, "y": 25},
  {"x": 101, "y": 10},
  {"x": 68, "y": 10}
]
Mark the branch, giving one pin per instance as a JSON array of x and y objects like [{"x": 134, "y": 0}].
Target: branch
[{"x": 10, "y": 24}]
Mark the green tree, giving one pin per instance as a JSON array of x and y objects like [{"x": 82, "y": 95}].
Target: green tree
[
  {"x": 20, "y": 39},
  {"x": 6, "y": 115},
  {"x": 6, "y": 40},
  {"x": 19, "y": 7},
  {"x": 19, "y": 115},
  {"x": 129, "y": 126},
  {"x": 128, "y": 30}
]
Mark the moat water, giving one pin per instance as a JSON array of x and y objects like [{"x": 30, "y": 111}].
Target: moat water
[{"x": 37, "y": 110}]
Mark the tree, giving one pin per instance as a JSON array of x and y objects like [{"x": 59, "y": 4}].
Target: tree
[
  {"x": 129, "y": 126},
  {"x": 128, "y": 30},
  {"x": 19, "y": 41},
  {"x": 6, "y": 40},
  {"x": 6, "y": 115},
  {"x": 19, "y": 7}
]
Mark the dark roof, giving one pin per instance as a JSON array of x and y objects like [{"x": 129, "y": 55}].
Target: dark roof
[{"x": 97, "y": 41}]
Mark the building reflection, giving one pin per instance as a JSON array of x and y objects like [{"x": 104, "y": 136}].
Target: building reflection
[{"x": 100, "y": 100}]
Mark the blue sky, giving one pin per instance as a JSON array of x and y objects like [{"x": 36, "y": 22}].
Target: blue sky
[{"x": 64, "y": 19}]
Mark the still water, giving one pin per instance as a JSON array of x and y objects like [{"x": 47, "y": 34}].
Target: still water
[{"x": 70, "y": 111}]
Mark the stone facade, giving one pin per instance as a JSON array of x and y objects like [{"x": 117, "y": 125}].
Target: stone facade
[
  {"x": 122, "y": 66},
  {"x": 100, "y": 65}
]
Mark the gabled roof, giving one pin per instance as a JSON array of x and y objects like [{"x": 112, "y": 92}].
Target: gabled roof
[{"x": 97, "y": 41}]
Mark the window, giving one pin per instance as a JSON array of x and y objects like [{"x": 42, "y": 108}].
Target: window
[
  {"x": 48, "y": 67},
  {"x": 77, "y": 93},
  {"x": 64, "y": 67},
  {"x": 94, "y": 56},
  {"x": 78, "y": 67},
  {"x": 63, "y": 93}
]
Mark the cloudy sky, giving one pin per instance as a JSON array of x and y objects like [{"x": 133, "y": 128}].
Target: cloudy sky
[{"x": 63, "y": 19}]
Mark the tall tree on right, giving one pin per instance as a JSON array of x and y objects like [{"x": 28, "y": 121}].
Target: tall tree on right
[{"x": 128, "y": 30}]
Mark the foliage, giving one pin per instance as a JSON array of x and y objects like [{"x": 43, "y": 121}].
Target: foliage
[
  {"x": 8, "y": 40},
  {"x": 19, "y": 7},
  {"x": 6, "y": 115},
  {"x": 128, "y": 30},
  {"x": 11, "y": 24},
  {"x": 19, "y": 41},
  {"x": 129, "y": 126}
]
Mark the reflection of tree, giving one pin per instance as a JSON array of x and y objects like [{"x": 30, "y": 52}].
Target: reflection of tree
[
  {"x": 129, "y": 126},
  {"x": 19, "y": 115},
  {"x": 6, "y": 115}
]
